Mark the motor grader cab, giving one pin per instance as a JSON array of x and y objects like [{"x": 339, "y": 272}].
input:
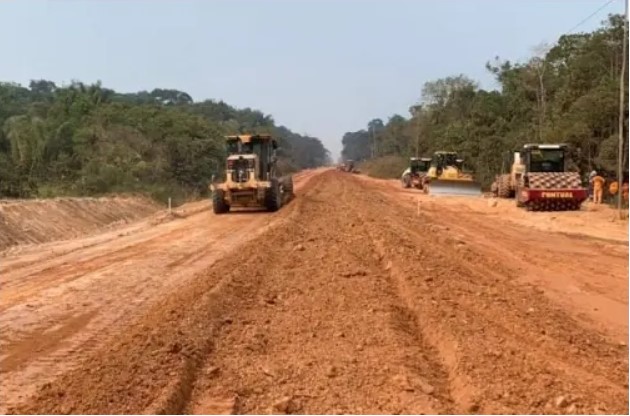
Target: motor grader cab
[
  {"x": 252, "y": 179},
  {"x": 415, "y": 172},
  {"x": 446, "y": 176}
]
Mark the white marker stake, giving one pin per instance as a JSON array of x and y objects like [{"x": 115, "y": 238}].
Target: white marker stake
[{"x": 169, "y": 205}]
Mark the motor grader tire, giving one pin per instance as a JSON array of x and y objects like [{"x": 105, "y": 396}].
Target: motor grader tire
[
  {"x": 273, "y": 196},
  {"x": 218, "y": 202},
  {"x": 287, "y": 189},
  {"x": 288, "y": 186},
  {"x": 503, "y": 186}
]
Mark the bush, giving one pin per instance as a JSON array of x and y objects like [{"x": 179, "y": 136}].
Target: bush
[{"x": 386, "y": 167}]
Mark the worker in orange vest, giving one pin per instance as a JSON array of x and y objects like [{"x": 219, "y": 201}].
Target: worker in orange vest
[
  {"x": 613, "y": 188},
  {"x": 598, "y": 188}
]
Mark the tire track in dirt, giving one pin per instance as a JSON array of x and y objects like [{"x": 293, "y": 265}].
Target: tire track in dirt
[
  {"x": 41, "y": 343},
  {"x": 584, "y": 275},
  {"x": 19, "y": 290},
  {"x": 457, "y": 386}
]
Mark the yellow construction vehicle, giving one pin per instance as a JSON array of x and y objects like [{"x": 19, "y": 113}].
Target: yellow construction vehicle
[
  {"x": 415, "y": 173},
  {"x": 445, "y": 176},
  {"x": 252, "y": 179},
  {"x": 349, "y": 166}
]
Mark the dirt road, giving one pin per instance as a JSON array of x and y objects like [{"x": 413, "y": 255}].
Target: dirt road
[{"x": 354, "y": 298}]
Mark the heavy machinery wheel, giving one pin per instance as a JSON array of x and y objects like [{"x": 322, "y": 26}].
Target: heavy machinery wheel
[
  {"x": 425, "y": 184},
  {"x": 503, "y": 186},
  {"x": 287, "y": 189},
  {"x": 406, "y": 181},
  {"x": 273, "y": 196},
  {"x": 288, "y": 185},
  {"x": 218, "y": 202},
  {"x": 519, "y": 204}
]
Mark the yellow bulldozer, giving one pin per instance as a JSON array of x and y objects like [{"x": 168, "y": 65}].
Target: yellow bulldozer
[
  {"x": 446, "y": 176},
  {"x": 252, "y": 179}
]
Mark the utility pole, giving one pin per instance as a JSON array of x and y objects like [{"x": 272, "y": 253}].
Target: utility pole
[{"x": 622, "y": 97}]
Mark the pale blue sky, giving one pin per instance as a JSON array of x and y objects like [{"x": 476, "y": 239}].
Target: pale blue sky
[{"x": 319, "y": 67}]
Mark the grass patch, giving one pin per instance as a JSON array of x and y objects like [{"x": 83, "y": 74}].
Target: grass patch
[{"x": 159, "y": 191}]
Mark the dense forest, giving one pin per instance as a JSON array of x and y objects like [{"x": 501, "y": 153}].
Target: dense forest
[
  {"x": 83, "y": 139},
  {"x": 567, "y": 93}
]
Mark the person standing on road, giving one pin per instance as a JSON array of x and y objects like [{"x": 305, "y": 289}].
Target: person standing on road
[{"x": 598, "y": 188}]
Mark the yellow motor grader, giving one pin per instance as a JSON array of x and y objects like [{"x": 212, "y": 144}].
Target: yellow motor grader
[
  {"x": 446, "y": 176},
  {"x": 252, "y": 179}
]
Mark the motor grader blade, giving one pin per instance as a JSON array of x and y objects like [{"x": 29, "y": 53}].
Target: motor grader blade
[{"x": 453, "y": 187}]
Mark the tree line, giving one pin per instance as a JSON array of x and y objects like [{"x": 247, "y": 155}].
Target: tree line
[
  {"x": 82, "y": 139},
  {"x": 565, "y": 93}
]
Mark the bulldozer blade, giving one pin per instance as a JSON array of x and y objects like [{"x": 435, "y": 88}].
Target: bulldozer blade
[{"x": 463, "y": 188}]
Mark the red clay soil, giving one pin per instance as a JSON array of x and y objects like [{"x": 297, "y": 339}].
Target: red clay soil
[
  {"x": 42, "y": 220},
  {"x": 348, "y": 300}
]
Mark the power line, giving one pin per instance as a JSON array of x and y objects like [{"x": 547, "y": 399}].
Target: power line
[
  {"x": 586, "y": 19},
  {"x": 622, "y": 111}
]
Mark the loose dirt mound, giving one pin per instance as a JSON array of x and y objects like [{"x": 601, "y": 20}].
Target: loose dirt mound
[{"x": 40, "y": 221}]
